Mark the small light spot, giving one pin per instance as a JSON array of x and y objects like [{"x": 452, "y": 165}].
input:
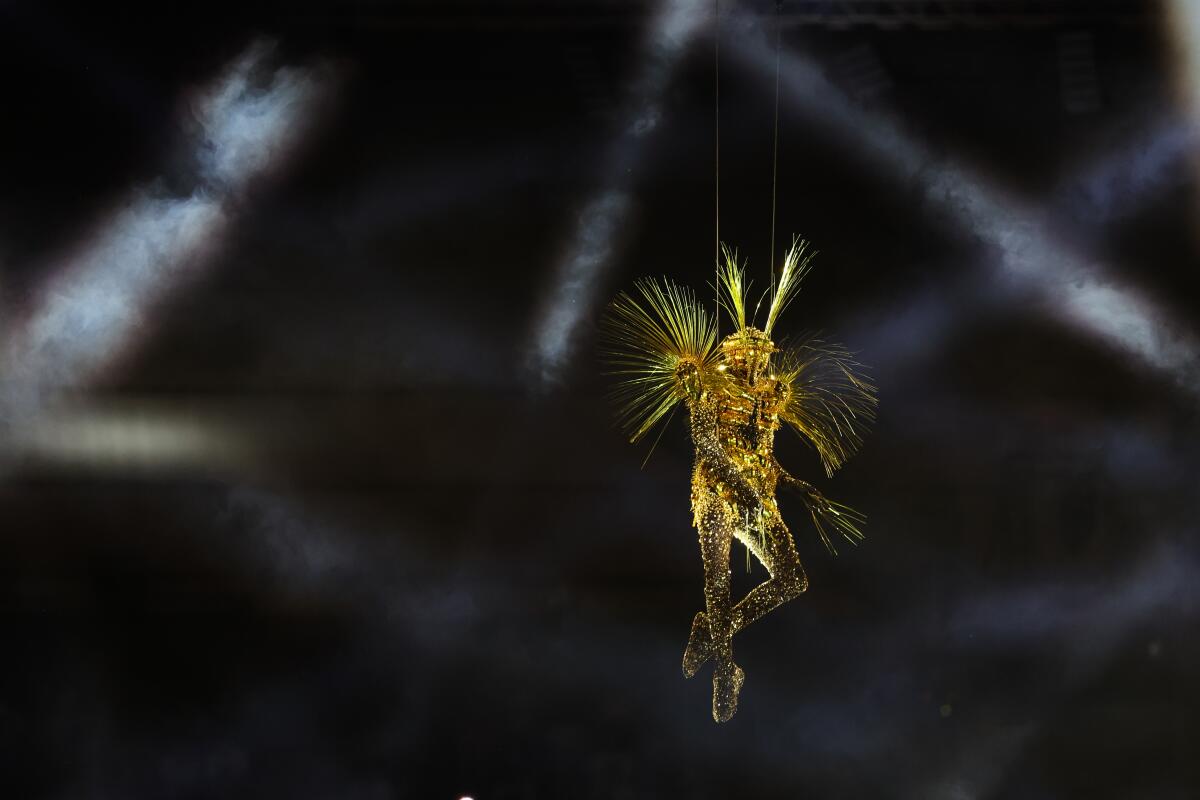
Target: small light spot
[
  {"x": 946, "y": 710},
  {"x": 1154, "y": 649}
]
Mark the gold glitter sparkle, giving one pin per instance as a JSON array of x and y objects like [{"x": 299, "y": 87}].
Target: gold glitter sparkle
[{"x": 662, "y": 347}]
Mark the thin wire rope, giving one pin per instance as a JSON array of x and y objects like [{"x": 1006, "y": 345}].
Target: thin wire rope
[
  {"x": 775, "y": 156},
  {"x": 717, "y": 158},
  {"x": 717, "y": 125}
]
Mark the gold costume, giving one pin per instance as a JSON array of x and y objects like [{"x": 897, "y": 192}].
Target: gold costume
[{"x": 663, "y": 349}]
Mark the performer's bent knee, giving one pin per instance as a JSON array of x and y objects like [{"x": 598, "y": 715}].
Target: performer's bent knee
[{"x": 793, "y": 583}]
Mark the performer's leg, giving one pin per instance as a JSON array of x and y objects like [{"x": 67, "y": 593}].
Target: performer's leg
[
  {"x": 777, "y": 552},
  {"x": 699, "y": 646},
  {"x": 716, "y": 535}
]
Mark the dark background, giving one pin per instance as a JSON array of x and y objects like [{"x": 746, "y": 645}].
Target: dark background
[{"x": 431, "y": 573}]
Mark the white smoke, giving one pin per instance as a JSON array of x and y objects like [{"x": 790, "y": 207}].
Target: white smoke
[
  {"x": 1118, "y": 183},
  {"x": 1088, "y": 620},
  {"x": 249, "y": 120},
  {"x": 99, "y": 300},
  {"x": 596, "y": 236},
  {"x": 592, "y": 248},
  {"x": 132, "y": 435},
  {"x": 101, "y": 296},
  {"x": 1072, "y": 287}
]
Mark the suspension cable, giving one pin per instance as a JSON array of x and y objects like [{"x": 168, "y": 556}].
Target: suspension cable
[
  {"x": 717, "y": 153},
  {"x": 775, "y": 156}
]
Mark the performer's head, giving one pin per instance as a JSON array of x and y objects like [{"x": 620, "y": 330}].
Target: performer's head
[{"x": 746, "y": 354}]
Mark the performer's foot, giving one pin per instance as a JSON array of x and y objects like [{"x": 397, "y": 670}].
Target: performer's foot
[
  {"x": 699, "y": 646},
  {"x": 728, "y": 678}
]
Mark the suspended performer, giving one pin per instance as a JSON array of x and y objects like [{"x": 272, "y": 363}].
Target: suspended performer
[{"x": 662, "y": 347}]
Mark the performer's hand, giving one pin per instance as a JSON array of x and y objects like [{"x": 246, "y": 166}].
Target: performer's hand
[{"x": 770, "y": 511}]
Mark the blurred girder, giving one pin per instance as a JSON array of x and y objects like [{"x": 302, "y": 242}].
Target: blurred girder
[
  {"x": 604, "y": 14},
  {"x": 937, "y": 14}
]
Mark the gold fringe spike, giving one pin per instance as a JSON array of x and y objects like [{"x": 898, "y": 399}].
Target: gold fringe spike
[
  {"x": 796, "y": 265},
  {"x": 830, "y": 403},
  {"x": 652, "y": 345},
  {"x": 732, "y": 287}
]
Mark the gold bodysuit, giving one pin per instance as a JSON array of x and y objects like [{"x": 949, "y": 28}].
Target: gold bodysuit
[{"x": 738, "y": 393}]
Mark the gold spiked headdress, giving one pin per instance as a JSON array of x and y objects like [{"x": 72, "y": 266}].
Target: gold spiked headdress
[{"x": 660, "y": 340}]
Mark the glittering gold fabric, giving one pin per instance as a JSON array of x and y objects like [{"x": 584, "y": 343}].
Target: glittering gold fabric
[{"x": 663, "y": 348}]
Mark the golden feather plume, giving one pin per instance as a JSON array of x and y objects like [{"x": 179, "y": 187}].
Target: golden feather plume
[
  {"x": 732, "y": 287},
  {"x": 648, "y": 342},
  {"x": 830, "y": 402},
  {"x": 796, "y": 264},
  {"x": 841, "y": 518}
]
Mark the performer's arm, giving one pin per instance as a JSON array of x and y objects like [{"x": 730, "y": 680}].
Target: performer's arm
[
  {"x": 825, "y": 512},
  {"x": 709, "y": 450},
  {"x": 803, "y": 487}
]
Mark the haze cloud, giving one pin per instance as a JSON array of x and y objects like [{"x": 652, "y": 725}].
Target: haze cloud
[
  {"x": 1071, "y": 287},
  {"x": 597, "y": 233},
  {"x": 101, "y": 297}
]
